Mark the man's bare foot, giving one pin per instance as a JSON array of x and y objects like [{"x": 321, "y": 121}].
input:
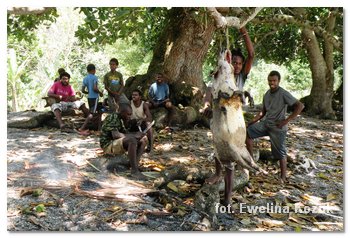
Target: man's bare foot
[
  {"x": 213, "y": 180},
  {"x": 283, "y": 181},
  {"x": 225, "y": 203},
  {"x": 83, "y": 132}
]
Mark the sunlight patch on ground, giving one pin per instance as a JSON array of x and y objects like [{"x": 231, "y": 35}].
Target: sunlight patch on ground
[
  {"x": 182, "y": 159},
  {"x": 300, "y": 130},
  {"x": 165, "y": 147}
]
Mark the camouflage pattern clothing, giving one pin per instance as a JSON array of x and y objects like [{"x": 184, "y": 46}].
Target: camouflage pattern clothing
[{"x": 112, "y": 122}]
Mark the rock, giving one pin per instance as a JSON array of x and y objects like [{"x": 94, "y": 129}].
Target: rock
[
  {"x": 207, "y": 198},
  {"x": 240, "y": 179}
]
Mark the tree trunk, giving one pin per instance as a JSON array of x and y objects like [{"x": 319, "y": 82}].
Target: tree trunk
[
  {"x": 180, "y": 53},
  {"x": 14, "y": 96},
  {"x": 320, "y": 100}
]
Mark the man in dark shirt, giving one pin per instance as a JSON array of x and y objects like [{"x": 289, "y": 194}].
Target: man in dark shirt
[{"x": 274, "y": 110}]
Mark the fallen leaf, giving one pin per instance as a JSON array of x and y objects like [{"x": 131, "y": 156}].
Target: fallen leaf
[
  {"x": 40, "y": 208},
  {"x": 278, "y": 215},
  {"x": 26, "y": 191},
  {"x": 331, "y": 197},
  {"x": 295, "y": 218},
  {"x": 246, "y": 221},
  {"x": 273, "y": 223},
  {"x": 306, "y": 197},
  {"x": 37, "y": 192},
  {"x": 323, "y": 176},
  {"x": 173, "y": 187}
]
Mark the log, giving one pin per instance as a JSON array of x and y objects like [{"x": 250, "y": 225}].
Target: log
[
  {"x": 185, "y": 172},
  {"x": 182, "y": 117},
  {"x": 28, "y": 119}
]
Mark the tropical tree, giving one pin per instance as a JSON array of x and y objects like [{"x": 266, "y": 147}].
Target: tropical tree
[
  {"x": 181, "y": 37},
  {"x": 312, "y": 36}
]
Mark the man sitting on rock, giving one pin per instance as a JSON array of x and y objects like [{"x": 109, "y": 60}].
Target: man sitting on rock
[
  {"x": 158, "y": 94},
  {"x": 116, "y": 138},
  {"x": 66, "y": 99}
]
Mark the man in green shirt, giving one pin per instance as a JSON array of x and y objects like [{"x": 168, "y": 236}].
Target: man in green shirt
[
  {"x": 114, "y": 85},
  {"x": 116, "y": 138}
]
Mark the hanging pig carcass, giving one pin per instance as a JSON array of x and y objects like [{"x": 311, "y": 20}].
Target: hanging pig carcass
[{"x": 228, "y": 125}]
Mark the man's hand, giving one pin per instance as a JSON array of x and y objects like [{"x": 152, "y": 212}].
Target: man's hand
[
  {"x": 250, "y": 123},
  {"x": 282, "y": 123},
  {"x": 72, "y": 99},
  {"x": 139, "y": 135}
]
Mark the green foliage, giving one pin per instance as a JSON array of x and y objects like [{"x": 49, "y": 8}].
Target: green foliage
[
  {"x": 22, "y": 26},
  {"x": 295, "y": 78},
  {"x": 106, "y": 25},
  {"x": 40, "y": 208},
  {"x": 78, "y": 37},
  {"x": 37, "y": 62}
]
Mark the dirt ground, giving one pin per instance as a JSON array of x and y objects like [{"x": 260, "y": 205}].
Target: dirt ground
[{"x": 59, "y": 182}]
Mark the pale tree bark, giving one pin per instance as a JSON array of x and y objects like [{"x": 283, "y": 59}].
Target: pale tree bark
[
  {"x": 14, "y": 97},
  {"x": 319, "y": 102}
]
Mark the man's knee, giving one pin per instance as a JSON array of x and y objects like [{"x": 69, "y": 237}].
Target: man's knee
[
  {"x": 168, "y": 104},
  {"x": 130, "y": 141},
  {"x": 144, "y": 140}
]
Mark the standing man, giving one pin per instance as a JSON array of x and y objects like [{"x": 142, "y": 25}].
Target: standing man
[
  {"x": 65, "y": 94},
  {"x": 142, "y": 115},
  {"x": 114, "y": 85},
  {"x": 116, "y": 139},
  {"x": 275, "y": 103},
  {"x": 90, "y": 82},
  {"x": 242, "y": 68}
]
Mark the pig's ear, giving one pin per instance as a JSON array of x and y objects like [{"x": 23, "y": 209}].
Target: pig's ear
[{"x": 228, "y": 56}]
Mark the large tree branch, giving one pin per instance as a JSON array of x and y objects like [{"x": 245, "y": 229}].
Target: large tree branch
[
  {"x": 28, "y": 10},
  {"x": 287, "y": 19},
  {"x": 222, "y": 22}
]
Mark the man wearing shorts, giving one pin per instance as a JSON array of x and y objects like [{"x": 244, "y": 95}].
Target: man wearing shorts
[
  {"x": 64, "y": 93},
  {"x": 274, "y": 125},
  {"x": 116, "y": 139}
]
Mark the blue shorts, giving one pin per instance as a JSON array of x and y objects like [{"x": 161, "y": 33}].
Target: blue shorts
[{"x": 277, "y": 137}]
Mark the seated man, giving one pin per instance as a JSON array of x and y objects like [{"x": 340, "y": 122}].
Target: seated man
[
  {"x": 65, "y": 95},
  {"x": 116, "y": 138},
  {"x": 60, "y": 71},
  {"x": 141, "y": 115},
  {"x": 159, "y": 93}
]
